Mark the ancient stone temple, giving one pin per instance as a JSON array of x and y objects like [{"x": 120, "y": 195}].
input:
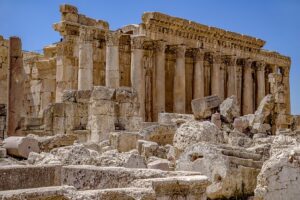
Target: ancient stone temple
[{"x": 205, "y": 111}]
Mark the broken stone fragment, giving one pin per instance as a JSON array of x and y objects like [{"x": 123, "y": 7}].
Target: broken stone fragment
[
  {"x": 216, "y": 119},
  {"x": 180, "y": 187},
  {"x": 232, "y": 171},
  {"x": 161, "y": 164},
  {"x": 193, "y": 132},
  {"x": 205, "y": 107},
  {"x": 124, "y": 141},
  {"x": 161, "y": 134},
  {"x": 3, "y": 152},
  {"x": 280, "y": 176},
  {"x": 230, "y": 109},
  {"x": 264, "y": 109},
  {"x": 21, "y": 146}
]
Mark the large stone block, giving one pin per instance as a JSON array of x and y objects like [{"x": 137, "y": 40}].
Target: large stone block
[
  {"x": 189, "y": 188},
  {"x": 103, "y": 93},
  {"x": 20, "y": 177},
  {"x": 205, "y": 107},
  {"x": 161, "y": 134},
  {"x": 124, "y": 141}
]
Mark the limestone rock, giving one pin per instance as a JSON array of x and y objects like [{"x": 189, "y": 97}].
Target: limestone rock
[
  {"x": 279, "y": 178},
  {"x": 161, "y": 134},
  {"x": 174, "y": 118},
  {"x": 124, "y": 141},
  {"x": 115, "y": 159},
  {"x": 243, "y": 123},
  {"x": 42, "y": 159},
  {"x": 193, "y": 132},
  {"x": 48, "y": 143},
  {"x": 3, "y": 152},
  {"x": 230, "y": 109},
  {"x": 161, "y": 164},
  {"x": 232, "y": 171},
  {"x": 205, "y": 107},
  {"x": 264, "y": 110}
]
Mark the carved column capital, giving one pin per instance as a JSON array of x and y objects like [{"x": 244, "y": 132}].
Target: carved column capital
[
  {"x": 248, "y": 62},
  {"x": 160, "y": 46},
  {"x": 86, "y": 34},
  {"x": 112, "y": 38},
  {"x": 137, "y": 42},
  {"x": 217, "y": 58},
  {"x": 260, "y": 66},
  {"x": 180, "y": 50},
  {"x": 198, "y": 54}
]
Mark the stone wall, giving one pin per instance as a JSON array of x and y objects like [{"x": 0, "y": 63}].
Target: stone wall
[{"x": 3, "y": 83}]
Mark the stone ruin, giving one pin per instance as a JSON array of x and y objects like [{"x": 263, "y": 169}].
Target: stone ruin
[{"x": 164, "y": 109}]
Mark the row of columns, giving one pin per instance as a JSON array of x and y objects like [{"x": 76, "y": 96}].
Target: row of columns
[{"x": 239, "y": 82}]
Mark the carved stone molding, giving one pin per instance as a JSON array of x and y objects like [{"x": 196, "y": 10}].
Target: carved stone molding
[
  {"x": 112, "y": 39},
  {"x": 137, "y": 42},
  {"x": 86, "y": 34},
  {"x": 217, "y": 58},
  {"x": 160, "y": 46},
  {"x": 260, "y": 66},
  {"x": 180, "y": 50},
  {"x": 198, "y": 54}
]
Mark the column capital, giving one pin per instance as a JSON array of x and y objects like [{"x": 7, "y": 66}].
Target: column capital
[
  {"x": 160, "y": 46},
  {"x": 180, "y": 50},
  {"x": 86, "y": 34},
  {"x": 112, "y": 38},
  {"x": 198, "y": 54},
  {"x": 248, "y": 62},
  {"x": 260, "y": 66},
  {"x": 137, "y": 42},
  {"x": 217, "y": 58}
]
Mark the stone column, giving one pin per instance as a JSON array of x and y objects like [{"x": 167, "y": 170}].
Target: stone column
[
  {"x": 286, "y": 82},
  {"x": 179, "y": 80},
  {"x": 112, "y": 70},
  {"x": 85, "y": 68},
  {"x": 137, "y": 71},
  {"x": 231, "y": 82},
  {"x": 215, "y": 80},
  {"x": 198, "y": 74},
  {"x": 15, "y": 86},
  {"x": 261, "y": 88},
  {"x": 248, "y": 104},
  {"x": 159, "y": 102}
]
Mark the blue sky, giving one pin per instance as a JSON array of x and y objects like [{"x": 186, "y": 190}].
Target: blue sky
[{"x": 275, "y": 21}]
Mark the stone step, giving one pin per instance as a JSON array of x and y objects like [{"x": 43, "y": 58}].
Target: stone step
[
  {"x": 54, "y": 192},
  {"x": 245, "y": 162},
  {"x": 88, "y": 177},
  {"x": 241, "y": 154}
]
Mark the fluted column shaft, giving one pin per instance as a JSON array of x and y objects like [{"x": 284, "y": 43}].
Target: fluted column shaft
[
  {"x": 137, "y": 71},
  {"x": 160, "y": 95},
  {"x": 198, "y": 74},
  {"x": 216, "y": 76},
  {"x": 112, "y": 69},
  {"x": 85, "y": 68},
  {"x": 179, "y": 80},
  {"x": 261, "y": 88},
  {"x": 248, "y": 104},
  {"x": 231, "y": 82}
]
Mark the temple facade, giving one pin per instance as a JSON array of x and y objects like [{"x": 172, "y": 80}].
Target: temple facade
[{"x": 167, "y": 61}]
